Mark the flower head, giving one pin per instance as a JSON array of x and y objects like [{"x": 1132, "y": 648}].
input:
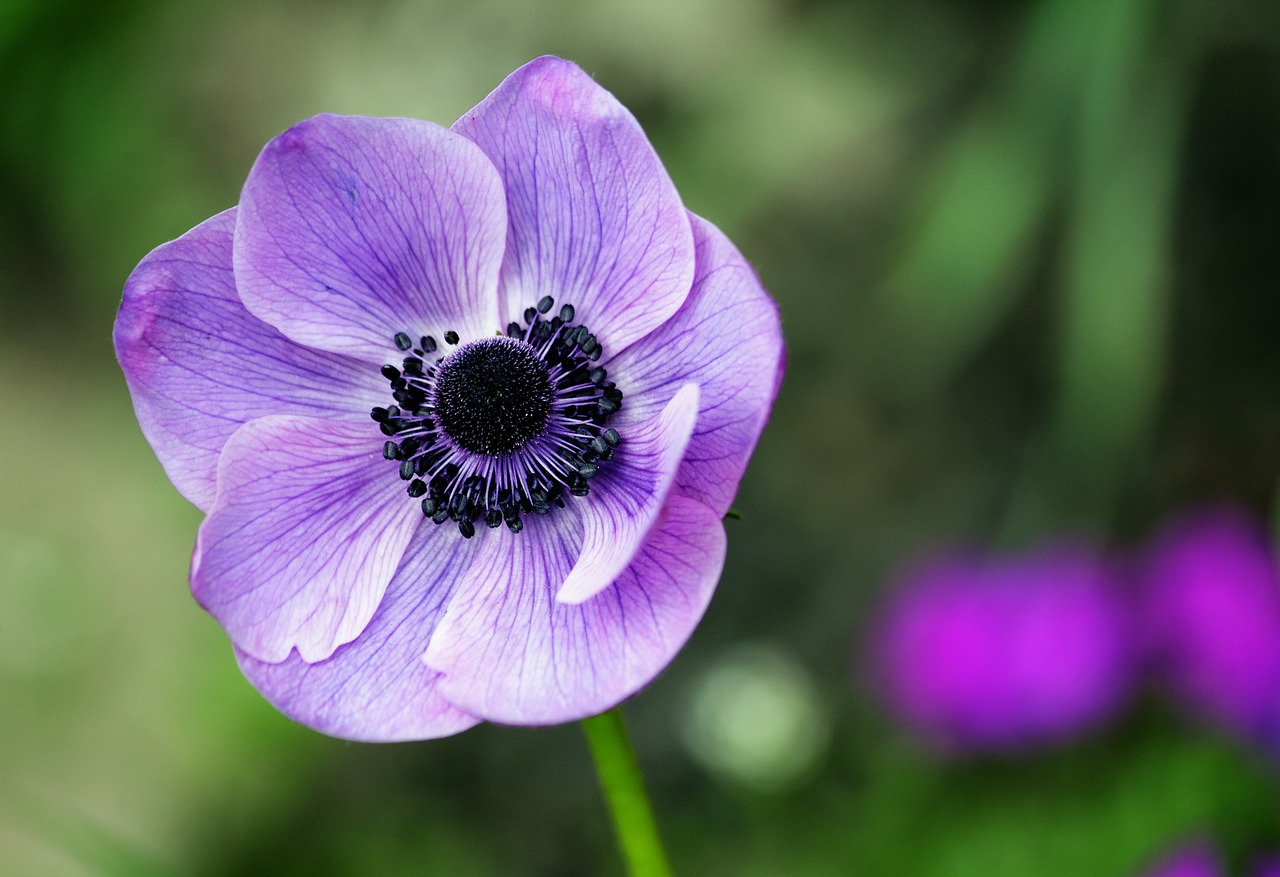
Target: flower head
[
  {"x": 464, "y": 408},
  {"x": 1211, "y": 615},
  {"x": 986, "y": 654}
]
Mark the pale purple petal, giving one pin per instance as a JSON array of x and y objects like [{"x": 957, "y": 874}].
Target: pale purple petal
[
  {"x": 199, "y": 365},
  {"x": 628, "y": 494},
  {"x": 727, "y": 338},
  {"x": 377, "y": 688},
  {"x": 308, "y": 526},
  {"x": 594, "y": 220},
  {"x": 352, "y": 229},
  {"x": 511, "y": 653}
]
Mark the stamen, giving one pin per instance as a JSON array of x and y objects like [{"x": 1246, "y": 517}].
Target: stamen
[{"x": 505, "y": 426}]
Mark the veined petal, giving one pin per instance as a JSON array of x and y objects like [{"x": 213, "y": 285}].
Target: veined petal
[
  {"x": 307, "y": 529},
  {"x": 511, "y": 653},
  {"x": 727, "y": 338},
  {"x": 377, "y": 688},
  {"x": 627, "y": 496},
  {"x": 199, "y": 365},
  {"x": 593, "y": 218},
  {"x": 353, "y": 228}
]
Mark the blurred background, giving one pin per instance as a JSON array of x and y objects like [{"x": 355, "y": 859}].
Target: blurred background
[{"x": 1028, "y": 260}]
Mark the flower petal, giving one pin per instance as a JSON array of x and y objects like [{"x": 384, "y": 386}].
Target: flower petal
[
  {"x": 199, "y": 365},
  {"x": 377, "y": 688},
  {"x": 511, "y": 653},
  {"x": 627, "y": 496},
  {"x": 352, "y": 229},
  {"x": 305, "y": 533},
  {"x": 593, "y": 218},
  {"x": 726, "y": 338}
]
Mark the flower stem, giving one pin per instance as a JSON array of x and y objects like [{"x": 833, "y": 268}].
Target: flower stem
[{"x": 624, "y": 791}]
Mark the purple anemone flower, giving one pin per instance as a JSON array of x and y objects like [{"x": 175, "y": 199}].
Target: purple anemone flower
[
  {"x": 1211, "y": 601},
  {"x": 987, "y": 654},
  {"x": 464, "y": 409}
]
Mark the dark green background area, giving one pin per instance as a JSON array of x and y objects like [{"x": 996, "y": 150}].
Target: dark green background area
[{"x": 1028, "y": 261}]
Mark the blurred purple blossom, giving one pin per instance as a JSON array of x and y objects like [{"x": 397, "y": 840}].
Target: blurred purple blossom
[
  {"x": 1267, "y": 866},
  {"x": 998, "y": 653},
  {"x": 1194, "y": 860},
  {"x": 1211, "y": 618}
]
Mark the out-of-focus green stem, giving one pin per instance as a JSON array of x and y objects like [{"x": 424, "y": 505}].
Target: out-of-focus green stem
[
  {"x": 623, "y": 787},
  {"x": 1126, "y": 146}
]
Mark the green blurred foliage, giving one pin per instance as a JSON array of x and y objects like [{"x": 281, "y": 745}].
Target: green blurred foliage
[{"x": 1026, "y": 257}]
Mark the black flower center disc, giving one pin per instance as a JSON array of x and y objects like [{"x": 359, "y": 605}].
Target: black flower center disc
[{"x": 493, "y": 396}]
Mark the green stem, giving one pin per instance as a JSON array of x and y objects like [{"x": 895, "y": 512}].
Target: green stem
[{"x": 624, "y": 791}]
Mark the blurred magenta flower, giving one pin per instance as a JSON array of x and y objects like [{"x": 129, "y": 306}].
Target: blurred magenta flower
[
  {"x": 978, "y": 653},
  {"x": 433, "y": 494},
  {"x": 1211, "y": 614},
  {"x": 1195, "y": 860},
  {"x": 1268, "y": 866}
]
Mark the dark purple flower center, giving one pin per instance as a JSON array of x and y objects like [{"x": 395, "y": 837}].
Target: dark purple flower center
[
  {"x": 502, "y": 426},
  {"x": 493, "y": 396}
]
